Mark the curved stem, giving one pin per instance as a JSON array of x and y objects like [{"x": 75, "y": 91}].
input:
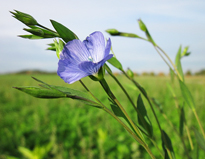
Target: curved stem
[
  {"x": 197, "y": 118},
  {"x": 125, "y": 126},
  {"x": 170, "y": 62},
  {"x": 146, "y": 96},
  {"x": 46, "y": 28},
  {"x": 112, "y": 96}
]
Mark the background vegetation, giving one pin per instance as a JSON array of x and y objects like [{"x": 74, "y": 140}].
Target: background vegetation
[{"x": 64, "y": 128}]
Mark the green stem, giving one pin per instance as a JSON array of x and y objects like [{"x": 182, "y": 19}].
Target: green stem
[
  {"x": 145, "y": 95},
  {"x": 112, "y": 96},
  {"x": 152, "y": 108},
  {"x": 175, "y": 68},
  {"x": 125, "y": 126},
  {"x": 197, "y": 118},
  {"x": 46, "y": 28},
  {"x": 139, "y": 114}
]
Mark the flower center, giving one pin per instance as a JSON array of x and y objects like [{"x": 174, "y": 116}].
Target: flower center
[{"x": 90, "y": 58}]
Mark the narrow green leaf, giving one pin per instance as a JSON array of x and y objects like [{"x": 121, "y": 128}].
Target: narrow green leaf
[
  {"x": 30, "y": 37},
  {"x": 199, "y": 138},
  {"x": 182, "y": 121},
  {"x": 187, "y": 95},
  {"x": 65, "y": 33},
  {"x": 114, "y": 61},
  {"x": 118, "y": 112},
  {"x": 41, "y": 93},
  {"x": 143, "y": 118},
  {"x": 178, "y": 63},
  {"x": 167, "y": 145},
  {"x": 73, "y": 94}
]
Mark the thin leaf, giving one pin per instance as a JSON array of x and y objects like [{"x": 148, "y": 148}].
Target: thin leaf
[
  {"x": 199, "y": 138},
  {"x": 143, "y": 118},
  {"x": 167, "y": 145},
  {"x": 65, "y": 33},
  {"x": 114, "y": 61},
  {"x": 187, "y": 95},
  {"x": 26, "y": 152},
  {"x": 41, "y": 93},
  {"x": 182, "y": 121},
  {"x": 30, "y": 37},
  {"x": 74, "y": 94}
]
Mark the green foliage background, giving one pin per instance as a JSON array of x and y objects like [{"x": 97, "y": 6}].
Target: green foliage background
[{"x": 80, "y": 131}]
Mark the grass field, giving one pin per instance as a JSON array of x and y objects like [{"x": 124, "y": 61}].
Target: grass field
[{"x": 69, "y": 129}]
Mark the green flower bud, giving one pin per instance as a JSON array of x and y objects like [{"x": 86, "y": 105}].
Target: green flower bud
[
  {"x": 142, "y": 25},
  {"x": 24, "y": 18},
  {"x": 130, "y": 73},
  {"x": 113, "y": 32}
]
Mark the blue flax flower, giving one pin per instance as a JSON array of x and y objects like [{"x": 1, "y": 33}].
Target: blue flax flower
[{"x": 80, "y": 59}]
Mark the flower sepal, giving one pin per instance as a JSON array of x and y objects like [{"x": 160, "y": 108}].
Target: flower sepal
[{"x": 99, "y": 75}]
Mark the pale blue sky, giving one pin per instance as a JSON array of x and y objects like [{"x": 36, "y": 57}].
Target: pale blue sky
[{"x": 170, "y": 23}]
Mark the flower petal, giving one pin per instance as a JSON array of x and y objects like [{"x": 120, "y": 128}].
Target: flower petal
[
  {"x": 69, "y": 72},
  {"x": 107, "y": 48},
  {"x": 75, "y": 51},
  {"x": 95, "y": 43},
  {"x": 92, "y": 68}
]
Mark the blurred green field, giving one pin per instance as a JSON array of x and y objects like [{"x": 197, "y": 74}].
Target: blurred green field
[{"x": 80, "y": 131}]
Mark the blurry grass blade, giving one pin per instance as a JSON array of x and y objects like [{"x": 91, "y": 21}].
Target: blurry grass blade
[
  {"x": 65, "y": 33},
  {"x": 172, "y": 74},
  {"x": 199, "y": 138},
  {"x": 167, "y": 145},
  {"x": 26, "y": 152},
  {"x": 178, "y": 63},
  {"x": 143, "y": 118},
  {"x": 187, "y": 95},
  {"x": 171, "y": 90},
  {"x": 157, "y": 104},
  {"x": 182, "y": 121},
  {"x": 30, "y": 36},
  {"x": 114, "y": 61},
  {"x": 41, "y": 93}
]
